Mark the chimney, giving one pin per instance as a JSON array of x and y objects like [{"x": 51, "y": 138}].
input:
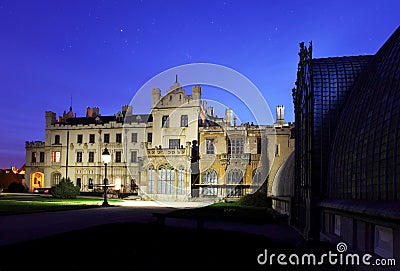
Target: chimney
[
  {"x": 196, "y": 92},
  {"x": 127, "y": 110},
  {"x": 96, "y": 112},
  {"x": 50, "y": 118},
  {"x": 280, "y": 114},
  {"x": 155, "y": 95},
  {"x": 89, "y": 112},
  {"x": 228, "y": 116}
]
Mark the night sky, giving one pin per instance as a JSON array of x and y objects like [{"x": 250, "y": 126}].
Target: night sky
[{"x": 99, "y": 53}]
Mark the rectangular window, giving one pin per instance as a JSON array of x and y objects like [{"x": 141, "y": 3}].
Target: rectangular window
[
  {"x": 134, "y": 156},
  {"x": 79, "y": 139},
  {"x": 236, "y": 146},
  {"x": 149, "y": 137},
  {"x": 174, "y": 143},
  {"x": 184, "y": 121},
  {"x": 41, "y": 157},
  {"x": 57, "y": 139},
  {"x": 165, "y": 122},
  {"x": 91, "y": 138},
  {"x": 118, "y": 138},
  {"x": 277, "y": 149},
  {"x": 134, "y": 137},
  {"x": 210, "y": 146},
  {"x": 55, "y": 157},
  {"x": 79, "y": 157},
  {"x": 106, "y": 138},
  {"x": 91, "y": 157},
  {"x": 33, "y": 157},
  {"x": 259, "y": 145},
  {"x": 118, "y": 156}
]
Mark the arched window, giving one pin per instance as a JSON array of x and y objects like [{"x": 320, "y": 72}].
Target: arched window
[
  {"x": 210, "y": 177},
  {"x": 256, "y": 182},
  {"x": 181, "y": 181},
  {"x": 150, "y": 180},
  {"x": 234, "y": 179},
  {"x": 166, "y": 178},
  {"x": 56, "y": 178}
]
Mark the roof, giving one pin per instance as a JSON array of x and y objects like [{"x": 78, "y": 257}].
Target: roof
[{"x": 139, "y": 118}]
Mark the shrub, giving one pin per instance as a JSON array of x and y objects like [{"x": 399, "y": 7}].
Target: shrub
[
  {"x": 16, "y": 187},
  {"x": 65, "y": 189},
  {"x": 257, "y": 199}
]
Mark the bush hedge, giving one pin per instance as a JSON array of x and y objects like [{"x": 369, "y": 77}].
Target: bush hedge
[
  {"x": 16, "y": 187},
  {"x": 65, "y": 189},
  {"x": 257, "y": 199}
]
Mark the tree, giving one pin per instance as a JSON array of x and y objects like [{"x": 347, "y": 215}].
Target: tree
[
  {"x": 65, "y": 189},
  {"x": 16, "y": 187}
]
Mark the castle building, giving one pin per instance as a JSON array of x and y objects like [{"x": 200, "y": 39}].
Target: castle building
[{"x": 178, "y": 152}]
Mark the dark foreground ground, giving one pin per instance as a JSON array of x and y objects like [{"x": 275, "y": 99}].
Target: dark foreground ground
[{"x": 149, "y": 246}]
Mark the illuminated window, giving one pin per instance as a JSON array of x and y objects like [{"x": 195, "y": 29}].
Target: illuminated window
[
  {"x": 118, "y": 183},
  {"x": 55, "y": 157}
]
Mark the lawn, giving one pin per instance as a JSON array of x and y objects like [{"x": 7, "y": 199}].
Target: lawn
[{"x": 11, "y": 205}]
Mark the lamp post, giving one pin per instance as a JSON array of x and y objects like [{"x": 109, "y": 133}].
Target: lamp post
[{"x": 106, "y": 157}]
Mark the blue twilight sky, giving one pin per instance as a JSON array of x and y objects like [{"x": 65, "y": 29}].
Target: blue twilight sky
[{"x": 101, "y": 52}]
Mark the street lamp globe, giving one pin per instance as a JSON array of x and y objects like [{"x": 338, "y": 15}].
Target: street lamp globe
[{"x": 106, "y": 156}]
